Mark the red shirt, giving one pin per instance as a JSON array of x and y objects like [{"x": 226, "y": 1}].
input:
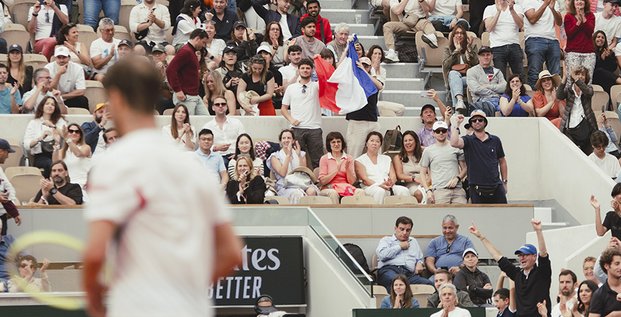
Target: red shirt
[
  {"x": 183, "y": 71},
  {"x": 579, "y": 37},
  {"x": 321, "y": 23}
]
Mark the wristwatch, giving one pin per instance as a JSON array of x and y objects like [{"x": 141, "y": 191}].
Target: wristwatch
[{"x": 53, "y": 191}]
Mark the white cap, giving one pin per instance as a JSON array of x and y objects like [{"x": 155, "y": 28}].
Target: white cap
[
  {"x": 470, "y": 250},
  {"x": 61, "y": 51},
  {"x": 439, "y": 125},
  {"x": 265, "y": 48}
]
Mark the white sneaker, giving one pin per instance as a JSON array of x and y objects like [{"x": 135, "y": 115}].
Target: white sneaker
[
  {"x": 391, "y": 56},
  {"x": 431, "y": 40},
  {"x": 460, "y": 106}
]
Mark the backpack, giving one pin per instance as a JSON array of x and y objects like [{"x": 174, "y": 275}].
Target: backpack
[
  {"x": 407, "y": 53},
  {"x": 357, "y": 254},
  {"x": 392, "y": 141}
]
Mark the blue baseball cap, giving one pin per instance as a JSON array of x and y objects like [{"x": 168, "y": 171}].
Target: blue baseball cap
[
  {"x": 526, "y": 249},
  {"x": 4, "y": 145}
]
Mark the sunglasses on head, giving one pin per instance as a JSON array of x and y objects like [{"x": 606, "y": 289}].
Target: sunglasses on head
[{"x": 440, "y": 131}]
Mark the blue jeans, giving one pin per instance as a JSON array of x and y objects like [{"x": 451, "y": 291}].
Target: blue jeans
[
  {"x": 442, "y": 23},
  {"x": 456, "y": 82},
  {"x": 387, "y": 274},
  {"x": 92, "y": 8},
  {"x": 539, "y": 50},
  {"x": 511, "y": 55}
]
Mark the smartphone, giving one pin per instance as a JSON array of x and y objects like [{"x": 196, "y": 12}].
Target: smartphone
[{"x": 423, "y": 94}]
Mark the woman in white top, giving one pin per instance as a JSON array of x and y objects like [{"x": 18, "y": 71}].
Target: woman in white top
[
  {"x": 40, "y": 131},
  {"x": 68, "y": 36},
  {"x": 245, "y": 146},
  {"x": 385, "y": 108},
  {"x": 284, "y": 162},
  {"x": 448, "y": 302},
  {"x": 214, "y": 46},
  {"x": 76, "y": 154},
  {"x": 180, "y": 128},
  {"x": 187, "y": 21},
  {"x": 376, "y": 171}
]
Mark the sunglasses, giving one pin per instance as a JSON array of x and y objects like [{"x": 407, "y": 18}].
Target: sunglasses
[
  {"x": 478, "y": 120},
  {"x": 448, "y": 248},
  {"x": 438, "y": 131},
  {"x": 74, "y": 131},
  {"x": 219, "y": 104},
  {"x": 24, "y": 265},
  {"x": 304, "y": 89}
]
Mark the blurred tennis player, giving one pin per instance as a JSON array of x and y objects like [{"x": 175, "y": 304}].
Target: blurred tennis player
[{"x": 159, "y": 209}]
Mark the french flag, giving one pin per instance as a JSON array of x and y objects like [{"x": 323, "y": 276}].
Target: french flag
[{"x": 345, "y": 89}]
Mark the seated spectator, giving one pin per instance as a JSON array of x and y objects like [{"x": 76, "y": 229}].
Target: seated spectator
[
  {"x": 27, "y": 267},
  {"x": 67, "y": 36},
  {"x": 244, "y": 41},
  {"x": 338, "y": 46},
  {"x": 75, "y": 153},
  {"x": 579, "y": 23},
  {"x": 612, "y": 221},
  {"x": 585, "y": 295},
  {"x": 110, "y": 136},
  {"x": 10, "y": 99},
  {"x": 274, "y": 38},
  {"x": 448, "y": 302},
  {"x": 360, "y": 49},
  {"x": 44, "y": 20},
  {"x": 407, "y": 165},
  {"x": 214, "y": 46},
  {"x": 515, "y": 102},
  {"x": 608, "y": 163},
  {"x": 160, "y": 61},
  {"x": 57, "y": 190},
  {"x": 285, "y": 161},
  {"x": 544, "y": 100},
  {"x": 94, "y": 130},
  {"x": 223, "y": 17},
  {"x": 5, "y": 19},
  {"x": 92, "y": 10},
  {"x": 289, "y": 23},
  {"x": 446, "y": 251},
  {"x": 400, "y": 254},
  {"x": 605, "y": 72},
  {"x": 324, "y": 30},
  {"x": 39, "y": 135},
  {"x": 407, "y": 16},
  {"x": 375, "y": 57},
  {"x": 376, "y": 171},
  {"x": 245, "y": 147},
  {"x": 260, "y": 80},
  {"x": 442, "y": 277},
  {"x": 68, "y": 78},
  {"x": 246, "y": 187},
  {"x": 19, "y": 72},
  {"x": 458, "y": 58},
  {"x": 541, "y": 44},
  {"x": 225, "y": 130},
  {"x": 231, "y": 70},
  {"x": 310, "y": 45},
  {"x": 400, "y": 295},
  {"x": 289, "y": 72},
  {"x": 607, "y": 21},
  {"x": 336, "y": 170},
  {"x": 445, "y": 15},
  {"x": 214, "y": 88},
  {"x": 103, "y": 50},
  {"x": 578, "y": 120},
  {"x": 180, "y": 129},
  {"x": 501, "y": 302},
  {"x": 186, "y": 22},
  {"x": 149, "y": 21},
  {"x": 471, "y": 279},
  {"x": 485, "y": 83},
  {"x": 503, "y": 20},
  {"x": 211, "y": 160},
  {"x": 42, "y": 89}
]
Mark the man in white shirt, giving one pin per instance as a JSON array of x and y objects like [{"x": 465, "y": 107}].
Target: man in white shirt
[
  {"x": 541, "y": 43},
  {"x": 145, "y": 180},
  {"x": 289, "y": 72},
  {"x": 41, "y": 17},
  {"x": 445, "y": 14},
  {"x": 408, "y": 15},
  {"x": 104, "y": 49},
  {"x": 150, "y": 21},
  {"x": 608, "y": 22},
  {"x": 305, "y": 117},
  {"x": 567, "y": 284},
  {"x": 503, "y": 21},
  {"x": 68, "y": 78},
  {"x": 606, "y": 162},
  {"x": 225, "y": 130},
  {"x": 42, "y": 88}
]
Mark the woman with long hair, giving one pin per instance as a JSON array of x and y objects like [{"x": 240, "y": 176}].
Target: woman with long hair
[
  {"x": 545, "y": 101},
  {"x": 515, "y": 102},
  {"x": 245, "y": 146},
  {"x": 579, "y": 25},
  {"x": 19, "y": 72},
  {"x": 260, "y": 80},
  {"x": 336, "y": 170},
  {"x": 578, "y": 119},
  {"x": 458, "y": 58},
  {"x": 400, "y": 295},
  {"x": 180, "y": 128},
  {"x": 273, "y": 37},
  {"x": 407, "y": 165},
  {"x": 214, "y": 87},
  {"x": 42, "y": 132},
  {"x": 246, "y": 187},
  {"x": 214, "y": 46},
  {"x": 68, "y": 36},
  {"x": 187, "y": 21},
  {"x": 585, "y": 295},
  {"x": 75, "y": 153},
  {"x": 606, "y": 65}
]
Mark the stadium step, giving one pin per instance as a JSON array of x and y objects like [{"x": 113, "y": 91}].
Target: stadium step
[
  {"x": 340, "y": 4},
  {"x": 349, "y": 16},
  {"x": 545, "y": 215},
  {"x": 402, "y": 70},
  {"x": 409, "y": 98},
  {"x": 360, "y": 29},
  {"x": 404, "y": 84},
  {"x": 370, "y": 40}
]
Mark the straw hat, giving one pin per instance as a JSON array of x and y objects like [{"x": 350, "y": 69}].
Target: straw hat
[{"x": 556, "y": 79}]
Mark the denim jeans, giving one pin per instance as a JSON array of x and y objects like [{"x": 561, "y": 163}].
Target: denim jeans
[
  {"x": 194, "y": 103},
  {"x": 539, "y": 50},
  {"x": 442, "y": 23},
  {"x": 457, "y": 82},
  {"x": 387, "y": 273},
  {"x": 111, "y": 10},
  {"x": 511, "y": 55},
  {"x": 311, "y": 142}
]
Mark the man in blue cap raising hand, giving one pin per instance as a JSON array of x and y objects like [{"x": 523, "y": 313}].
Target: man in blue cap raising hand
[{"x": 532, "y": 281}]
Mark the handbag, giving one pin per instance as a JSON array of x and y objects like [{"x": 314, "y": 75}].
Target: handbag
[
  {"x": 461, "y": 68},
  {"x": 392, "y": 141},
  {"x": 485, "y": 191},
  {"x": 299, "y": 180},
  {"x": 47, "y": 146}
]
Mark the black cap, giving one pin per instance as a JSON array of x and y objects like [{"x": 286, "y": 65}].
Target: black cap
[
  {"x": 158, "y": 48},
  {"x": 430, "y": 106},
  {"x": 617, "y": 2},
  {"x": 229, "y": 48},
  {"x": 238, "y": 24},
  {"x": 15, "y": 47},
  {"x": 126, "y": 43},
  {"x": 484, "y": 49},
  {"x": 4, "y": 145}
]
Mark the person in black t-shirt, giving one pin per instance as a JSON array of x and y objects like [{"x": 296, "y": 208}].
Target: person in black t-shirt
[
  {"x": 57, "y": 190},
  {"x": 612, "y": 221},
  {"x": 607, "y": 299}
]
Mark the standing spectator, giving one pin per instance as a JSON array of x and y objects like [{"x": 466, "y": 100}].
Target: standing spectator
[
  {"x": 10, "y": 99},
  {"x": 7, "y": 192},
  {"x": 407, "y": 165},
  {"x": 231, "y": 70},
  {"x": 210, "y": 160},
  {"x": 224, "y": 19},
  {"x": 484, "y": 158},
  {"x": 544, "y": 100},
  {"x": 568, "y": 301},
  {"x": 501, "y": 302},
  {"x": 19, "y": 72},
  {"x": 476, "y": 10},
  {"x": 400, "y": 254},
  {"x": 266, "y": 52},
  {"x": 68, "y": 78},
  {"x": 186, "y": 22},
  {"x": 409, "y": 15},
  {"x": 428, "y": 117},
  {"x": 605, "y": 72},
  {"x": 225, "y": 130},
  {"x": 94, "y": 130},
  {"x": 471, "y": 279},
  {"x": 180, "y": 129},
  {"x": 92, "y": 8},
  {"x": 57, "y": 189},
  {"x": 324, "y": 30},
  {"x": 612, "y": 221},
  {"x": 446, "y": 251},
  {"x": 447, "y": 167},
  {"x": 274, "y": 38},
  {"x": 260, "y": 80},
  {"x": 446, "y": 14},
  {"x": 604, "y": 300},
  {"x": 448, "y": 302},
  {"x": 503, "y": 20},
  {"x": 541, "y": 43},
  {"x": 289, "y": 23},
  {"x": 43, "y": 88},
  {"x": 606, "y": 162},
  {"x": 338, "y": 46},
  {"x": 578, "y": 120},
  {"x": 579, "y": 24},
  {"x": 244, "y": 41},
  {"x": 486, "y": 83},
  {"x": 515, "y": 102},
  {"x": 302, "y": 98},
  {"x": 532, "y": 280},
  {"x": 149, "y": 21},
  {"x": 459, "y": 56},
  {"x": 44, "y": 20},
  {"x": 442, "y": 277},
  {"x": 400, "y": 295},
  {"x": 588, "y": 266},
  {"x": 75, "y": 153},
  {"x": 103, "y": 50},
  {"x": 310, "y": 45},
  {"x": 247, "y": 187},
  {"x": 336, "y": 170},
  {"x": 183, "y": 77}
]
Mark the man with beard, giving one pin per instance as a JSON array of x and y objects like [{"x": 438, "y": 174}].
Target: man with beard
[
  {"x": 310, "y": 45},
  {"x": 324, "y": 30},
  {"x": 93, "y": 131},
  {"x": 484, "y": 154},
  {"x": 606, "y": 299},
  {"x": 532, "y": 280},
  {"x": 567, "y": 284},
  {"x": 57, "y": 190}
]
